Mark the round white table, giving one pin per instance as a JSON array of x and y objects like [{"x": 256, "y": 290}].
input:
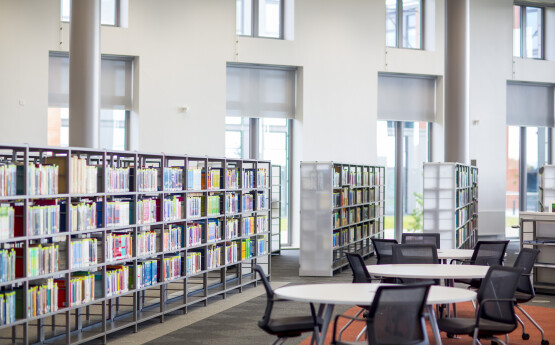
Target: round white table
[
  {"x": 457, "y": 254},
  {"x": 328, "y": 295},
  {"x": 429, "y": 271}
]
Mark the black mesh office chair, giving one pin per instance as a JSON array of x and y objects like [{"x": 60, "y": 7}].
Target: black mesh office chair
[
  {"x": 421, "y": 238},
  {"x": 396, "y": 316},
  {"x": 495, "y": 314},
  {"x": 383, "y": 250},
  {"x": 525, "y": 288},
  {"x": 285, "y": 327},
  {"x": 415, "y": 254},
  {"x": 487, "y": 253}
]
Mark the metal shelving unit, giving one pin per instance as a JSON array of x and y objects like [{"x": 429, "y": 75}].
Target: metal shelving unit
[
  {"x": 451, "y": 203},
  {"x": 342, "y": 208},
  {"x": 275, "y": 226},
  {"x": 75, "y": 324}
]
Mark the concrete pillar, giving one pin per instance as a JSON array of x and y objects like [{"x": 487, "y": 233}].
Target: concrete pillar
[
  {"x": 456, "y": 81},
  {"x": 84, "y": 73}
]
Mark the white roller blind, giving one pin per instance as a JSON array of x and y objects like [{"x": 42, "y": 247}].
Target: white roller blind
[
  {"x": 116, "y": 80},
  {"x": 254, "y": 91},
  {"x": 406, "y": 98},
  {"x": 530, "y": 105}
]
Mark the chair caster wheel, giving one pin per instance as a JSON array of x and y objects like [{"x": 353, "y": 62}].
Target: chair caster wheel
[
  {"x": 545, "y": 342},
  {"x": 525, "y": 336},
  {"x": 451, "y": 335}
]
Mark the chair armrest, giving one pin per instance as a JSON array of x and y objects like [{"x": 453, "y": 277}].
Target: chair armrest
[
  {"x": 335, "y": 323},
  {"x": 490, "y": 300}
]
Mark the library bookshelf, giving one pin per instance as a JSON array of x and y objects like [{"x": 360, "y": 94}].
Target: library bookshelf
[
  {"x": 546, "y": 188},
  {"x": 451, "y": 203},
  {"x": 342, "y": 208},
  {"x": 95, "y": 241}
]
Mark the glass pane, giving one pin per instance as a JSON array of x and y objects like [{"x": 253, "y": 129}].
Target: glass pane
[
  {"x": 391, "y": 23},
  {"x": 58, "y": 127},
  {"x": 533, "y": 32},
  {"x": 536, "y": 157},
  {"x": 516, "y": 31},
  {"x": 108, "y": 12},
  {"x": 274, "y": 146},
  {"x": 386, "y": 158},
  {"x": 269, "y": 18},
  {"x": 511, "y": 194},
  {"x": 65, "y": 10},
  {"x": 244, "y": 17},
  {"x": 411, "y": 24},
  {"x": 415, "y": 153},
  {"x": 113, "y": 125},
  {"x": 237, "y": 140}
]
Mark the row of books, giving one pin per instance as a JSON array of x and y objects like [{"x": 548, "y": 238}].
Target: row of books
[
  {"x": 8, "y": 179},
  {"x": 147, "y": 273},
  {"x": 262, "y": 224},
  {"x": 232, "y": 228},
  {"x": 194, "y": 205},
  {"x": 214, "y": 257},
  {"x": 173, "y": 179},
  {"x": 147, "y": 180},
  {"x": 462, "y": 177},
  {"x": 171, "y": 238},
  {"x": 194, "y": 234},
  {"x": 261, "y": 200},
  {"x": 146, "y": 243},
  {"x": 7, "y": 307},
  {"x": 354, "y": 176},
  {"x": 83, "y": 179},
  {"x": 213, "y": 229},
  {"x": 84, "y": 252},
  {"x": 345, "y": 217},
  {"x": 40, "y": 300},
  {"x": 194, "y": 178},
  {"x": 461, "y": 216},
  {"x": 194, "y": 263},
  {"x": 247, "y": 200},
  {"x": 214, "y": 178},
  {"x": 117, "y": 280},
  {"x": 40, "y": 260},
  {"x": 117, "y": 180},
  {"x": 83, "y": 216},
  {"x": 262, "y": 178},
  {"x": 171, "y": 268},
  {"x": 7, "y": 221},
  {"x": 173, "y": 208},
  {"x": 232, "y": 178},
  {"x": 7, "y": 265},
  {"x": 146, "y": 211},
  {"x": 462, "y": 197},
  {"x": 42, "y": 219},
  {"x": 261, "y": 246},
  {"x": 213, "y": 205},
  {"x": 118, "y": 246},
  {"x": 81, "y": 290},
  {"x": 117, "y": 213},
  {"x": 41, "y": 179},
  {"x": 246, "y": 249},
  {"x": 248, "y": 226},
  {"x": 231, "y": 253},
  {"x": 231, "y": 203}
]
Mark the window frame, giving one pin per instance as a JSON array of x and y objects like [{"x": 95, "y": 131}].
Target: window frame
[
  {"x": 399, "y": 27},
  {"x": 117, "y": 14},
  {"x": 523, "y": 7},
  {"x": 255, "y": 20}
]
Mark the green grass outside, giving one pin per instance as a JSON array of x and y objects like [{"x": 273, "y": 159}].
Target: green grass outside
[
  {"x": 510, "y": 221},
  {"x": 390, "y": 223}
]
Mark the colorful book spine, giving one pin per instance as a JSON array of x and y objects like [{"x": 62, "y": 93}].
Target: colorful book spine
[
  {"x": 231, "y": 253},
  {"x": 214, "y": 257},
  {"x": 248, "y": 178},
  {"x": 247, "y": 201},
  {"x": 118, "y": 247},
  {"x": 261, "y": 224},
  {"x": 7, "y": 221},
  {"x": 146, "y": 211},
  {"x": 84, "y": 252},
  {"x": 262, "y": 178},
  {"x": 117, "y": 213},
  {"x": 232, "y": 178},
  {"x": 261, "y": 246},
  {"x": 246, "y": 249},
  {"x": 213, "y": 205},
  {"x": 261, "y": 201},
  {"x": 117, "y": 280},
  {"x": 214, "y": 178},
  {"x": 213, "y": 228},
  {"x": 81, "y": 288},
  {"x": 170, "y": 267},
  {"x": 231, "y": 228},
  {"x": 43, "y": 220},
  {"x": 42, "y": 259},
  {"x": 147, "y": 274},
  {"x": 117, "y": 180},
  {"x": 83, "y": 177},
  {"x": 8, "y": 178},
  {"x": 194, "y": 206},
  {"x": 194, "y": 178},
  {"x": 173, "y": 179},
  {"x": 194, "y": 263},
  {"x": 173, "y": 208},
  {"x": 146, "y": 243},
  {"x": 147, "y": 180},
  {"x": 41, "y": 299},
  {"x": 248, "y": 226},
  {"x": 231, "y": 203},
  {"x": 41, "y": 179},
  {"x": 171, "y": 238},
  {"x": 83, "y": 216},
  {"x": 7, "y": 307},
  {"x": 194, "y": 234},
  {"x": 7, "y": 265}
]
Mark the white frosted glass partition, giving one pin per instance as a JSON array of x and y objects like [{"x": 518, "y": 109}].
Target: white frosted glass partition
[{"x": 546, "y": 188}]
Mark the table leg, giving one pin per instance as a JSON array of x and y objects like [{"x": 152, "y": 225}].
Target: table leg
[
  {"x": 327, "y": 314},
  {"x": 433, "y": 324}
]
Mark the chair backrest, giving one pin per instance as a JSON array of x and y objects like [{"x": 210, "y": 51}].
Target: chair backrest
[
  {"x": 525, "y": 260},
  {"x": 396, "y": 315},
  {"x": 269, "y": 297},
  {"x": 383, "y": 250},
  {"x": 500, "y": 283},
  {"x": 415, "y": 254},
  {"x": 421, "y": 238},
  {"x": 360, "y": 273},
  {"x": 489, "y": 253}
]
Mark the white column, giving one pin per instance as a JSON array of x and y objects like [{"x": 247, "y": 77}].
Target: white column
[
  {"x": 84, "y": 73},
  {"x": 456, "y": 81}
]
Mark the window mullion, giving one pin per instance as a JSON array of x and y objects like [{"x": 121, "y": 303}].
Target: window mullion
[
  {"x": 399, "y": 23},
  {"x": 523, "y": 32},
  {"x": 255, "y": 17}
]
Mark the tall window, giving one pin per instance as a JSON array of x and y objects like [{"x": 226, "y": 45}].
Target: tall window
[
  {"x": 404, "y": 23},
  {"x": 259, "y": 18},
  {"x": 109, "y": 12},
  {"x": 116, "y": 101},
  {"x": 260, "y": 111},
  {"x": 528, "y": 29}
]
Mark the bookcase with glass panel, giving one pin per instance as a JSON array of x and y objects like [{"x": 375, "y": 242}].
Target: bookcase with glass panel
[
  {"x": 546, "y": 188},
  {"x": 342, "y": 208},
  {"x": 451, "y": 203},
  {"x": 92, "y": 241}
]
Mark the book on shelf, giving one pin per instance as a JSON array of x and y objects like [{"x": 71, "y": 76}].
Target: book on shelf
[
  {"x": 231, "y": 203},
  {"x": 117, "y": 281},
  {"x": 7, "y": 265},
  {"x": 214, "y": 178},
  {"x": 261, "y": 224},
  {"x": 231, "y": 253},
  {"x": 84, "y": 252},
  {"x": 84, "y": 178},
  {"x": 118, "y": 246},
  {"x": 261, "y": 246},
  {"x": 147, "y": 180},
  {"x": 41, "y": 299},
  {"x": 194, "y": 263},
  {"x": 41, "y": 259},
  {"x": 172, "y": 208},
  {"x": 231, "y": 228},
  {"x": 248, "y": 178},
  {"x": 81, "y": 290},
  {"x": 194, "y": 234},
  {"x": 171, "y": 238},
  {"x": 147, "y": 274},
  {"x": 146, "y": 243},
  {"x": 213, "y": 229},
  {"x": 83, "y": 216},
  {"x": 8, "y": 179},
  {"x": 146, "y": 211},
  {"x": 232, "y": 178},
  {"x": 7, "y": 222},
  {"x": 7, "y": 307},
  {"x": 117, "y": 180},
  {"x": 261, "y": 201},
  {"x": 40, "y": 180},
  {"x": 262, "y": 178},
  {"x": 246, "y": 249},
  {"x": 194, "y": 178},
  {"x": 173, "y": 179},
  {"x": 213, "y": 205},
  {"x": 248, "y": 226},
  {"x": 117, "y": 213},
  {"x": 194, "y": 205},
  {"x": 214, "y": 256},
  {"x": 43, "y": 218},
  {"x": 170, "y": 267},
  {"x": 247, "y": 200}
]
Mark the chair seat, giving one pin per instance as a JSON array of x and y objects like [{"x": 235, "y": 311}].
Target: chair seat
[
  {"x": 458, "y": 325},
  {"x": 522, "y": 297},
  {"x": 290, "y": 326}
]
